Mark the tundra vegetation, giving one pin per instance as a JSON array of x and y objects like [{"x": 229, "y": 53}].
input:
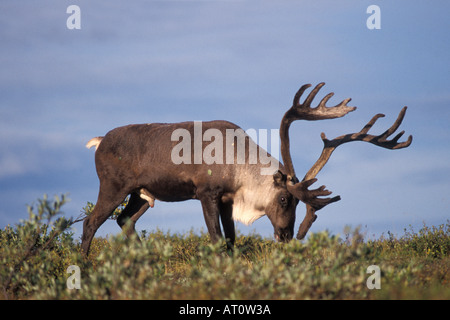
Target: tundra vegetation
[{"x": 35, "y": 255}]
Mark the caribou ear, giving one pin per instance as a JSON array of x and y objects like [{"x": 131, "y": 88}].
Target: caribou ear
[{"x": 279, "y": 178}]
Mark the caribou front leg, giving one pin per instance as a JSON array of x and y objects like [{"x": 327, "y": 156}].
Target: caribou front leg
[{"x": 211, "y": 212}]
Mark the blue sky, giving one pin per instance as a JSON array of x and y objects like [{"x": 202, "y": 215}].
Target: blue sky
[{"x": 242, "y": 61}]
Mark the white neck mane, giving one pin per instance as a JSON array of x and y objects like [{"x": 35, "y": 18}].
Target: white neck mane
[{"x": 251, "y": 200}]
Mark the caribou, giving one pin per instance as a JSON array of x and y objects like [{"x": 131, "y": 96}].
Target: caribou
[{"x": 149, "y": 162}]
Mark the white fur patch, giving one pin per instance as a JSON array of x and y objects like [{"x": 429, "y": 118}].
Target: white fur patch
[
  {"x": 250, "y": 202},
  {"x": 244, "y": 214},
  {"x": 144, "y": 194}
]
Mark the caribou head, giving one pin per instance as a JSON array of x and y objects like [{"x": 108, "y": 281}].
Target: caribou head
[{"x": 299, "y": 189}]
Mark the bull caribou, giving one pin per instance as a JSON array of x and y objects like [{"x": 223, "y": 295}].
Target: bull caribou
[{"x": 139, "y": 160}]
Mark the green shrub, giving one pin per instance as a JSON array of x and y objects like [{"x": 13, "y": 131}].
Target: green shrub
[
  {"x": 36, "y": 250},
  {"x": 35, "y": 254}
]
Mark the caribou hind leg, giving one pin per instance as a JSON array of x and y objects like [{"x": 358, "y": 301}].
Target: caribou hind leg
[
  {"x": 109, "y": 198},
  {"x": 135, "y": 208}
]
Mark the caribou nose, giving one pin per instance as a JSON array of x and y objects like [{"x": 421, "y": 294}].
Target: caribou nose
[{"x": 283, "y": 236}]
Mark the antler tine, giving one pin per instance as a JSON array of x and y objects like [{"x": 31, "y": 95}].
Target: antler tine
[
  {"x": 397, "y": 123},
  {"x": 296, "y": 102},
  {"x": 312, "y": 95},
  {"x": 325, "y": 100},
  {"x": 370, "y": 124},
  {"x": 393, "y": 143}
]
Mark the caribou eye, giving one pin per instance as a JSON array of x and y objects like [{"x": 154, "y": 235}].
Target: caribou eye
[{"x": 283, "y": 201}]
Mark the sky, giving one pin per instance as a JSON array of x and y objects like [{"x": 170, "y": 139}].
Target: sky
[{"x": 236, "y": 60}]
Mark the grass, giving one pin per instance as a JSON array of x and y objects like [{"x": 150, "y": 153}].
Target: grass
[{"x": 35, "y": 254}]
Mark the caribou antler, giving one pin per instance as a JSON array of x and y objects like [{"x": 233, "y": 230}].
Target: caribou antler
[
  {"x": 305, "y": 112},
  {"x": 310, "y": 197},
  {"x": 381, "y": 141},
  {"x": 330, "y": 145}
]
